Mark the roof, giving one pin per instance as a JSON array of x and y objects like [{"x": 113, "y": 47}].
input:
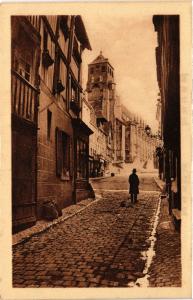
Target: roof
[
  {"x": 101, "y": 59},
  {"x": 81, "y": 32}
]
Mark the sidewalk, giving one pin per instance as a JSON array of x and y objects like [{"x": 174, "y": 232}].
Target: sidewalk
[
  {"x": 43, "y": 225},
  {"x": 166, "y": 266},
  {"x": 176, "y": 213}
]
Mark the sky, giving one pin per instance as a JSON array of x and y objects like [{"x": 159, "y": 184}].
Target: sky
[{"x": 129, "y": 43}]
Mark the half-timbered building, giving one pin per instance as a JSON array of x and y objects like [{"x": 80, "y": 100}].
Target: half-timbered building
[{"x": 50, "y": 141}]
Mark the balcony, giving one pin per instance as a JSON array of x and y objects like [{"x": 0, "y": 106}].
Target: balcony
[{"x": 24, "y": 98}]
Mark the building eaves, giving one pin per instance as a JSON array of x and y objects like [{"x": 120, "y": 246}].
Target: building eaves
[{"x": 81, "y": 32}]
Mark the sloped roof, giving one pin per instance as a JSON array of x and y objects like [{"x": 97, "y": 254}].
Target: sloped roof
[
  {"x": 99, "y": 59},
  {"x": 81, "y": 32}
]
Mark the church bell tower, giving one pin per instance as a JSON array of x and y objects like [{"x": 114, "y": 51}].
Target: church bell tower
[{"x": 100, "y": 88}]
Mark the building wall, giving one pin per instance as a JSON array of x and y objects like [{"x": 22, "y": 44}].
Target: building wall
[
  {"x": 52, "y": 115},
  {"x": 50, "y": 186},
  {"x": 25, "y": 42},
  {"x": 139, "y": 147},
  {"x": 58, "y": 168},
  {"x": 168, "y": 76},
  {"x": 97, "y": 141}
]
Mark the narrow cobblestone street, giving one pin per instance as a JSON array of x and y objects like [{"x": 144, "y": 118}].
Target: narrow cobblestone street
[{"x": 101, "y": 246}]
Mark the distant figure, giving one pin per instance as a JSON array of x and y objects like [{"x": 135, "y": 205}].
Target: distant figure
[{"x": 134, "y": 186}]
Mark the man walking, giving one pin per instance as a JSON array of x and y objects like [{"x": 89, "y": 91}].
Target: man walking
[{"x": 134, "y": 186}]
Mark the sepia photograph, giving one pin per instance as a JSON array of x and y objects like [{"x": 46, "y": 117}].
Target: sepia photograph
[{"x": 96, "y": 150}]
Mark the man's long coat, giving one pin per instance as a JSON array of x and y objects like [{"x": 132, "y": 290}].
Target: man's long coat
[{"x": 134, "y": 184}]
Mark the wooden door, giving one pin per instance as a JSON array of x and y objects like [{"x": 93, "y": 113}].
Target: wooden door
[{"x": 23, "y": 176}]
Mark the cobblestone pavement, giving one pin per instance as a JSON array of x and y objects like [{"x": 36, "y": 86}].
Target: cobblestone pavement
[
  {"x": 102, "y": 245},
  {"x": 99, "y": 247},
  {"x": 43, "y": 225},
  {"x": 166, "y": 266}
]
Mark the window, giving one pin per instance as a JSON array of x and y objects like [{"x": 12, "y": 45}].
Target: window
[
  {"x": 74, "y": 92},
  {"x": 91, "y": 70},
  {"x": 47, "y": 58},
  {"x": 24, "y": 68},
  {"x": 62, "y": 154},
  {"x": 103, "y": 68},
  {"x": 59, "y": 76},
  {"x": 75, "y": 97},
  {"x": 76, "y": 52},
  {"x": 23, "y": 56},
  {"x": 49, "y": 121}
]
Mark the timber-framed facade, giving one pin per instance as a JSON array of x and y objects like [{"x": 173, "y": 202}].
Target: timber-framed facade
[{"x": 47, "y": 129}]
